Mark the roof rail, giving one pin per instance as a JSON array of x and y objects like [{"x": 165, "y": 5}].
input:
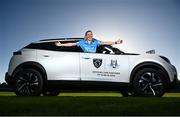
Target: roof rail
[{"x": 61, "y": 39}]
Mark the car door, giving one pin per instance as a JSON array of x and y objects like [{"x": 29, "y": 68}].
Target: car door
[
  {"x": 104, "y": 67},
  {"x": 59, "y": 64}
]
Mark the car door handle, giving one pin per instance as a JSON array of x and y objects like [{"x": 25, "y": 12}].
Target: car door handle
[
  {"x": 86, "y": 58},
  {"x": 45, "y": 55}
]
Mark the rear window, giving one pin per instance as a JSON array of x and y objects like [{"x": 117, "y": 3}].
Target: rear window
[
  {"x": 52, "y": 47},
  {"x": 43, "y": 46}
]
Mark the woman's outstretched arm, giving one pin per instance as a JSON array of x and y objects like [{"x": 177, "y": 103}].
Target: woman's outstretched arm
[
  {"x": 58, "y": 43},
  {"x": 119, "y": 41}
]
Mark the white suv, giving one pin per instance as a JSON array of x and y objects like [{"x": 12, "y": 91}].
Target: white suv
[{"x": 43, "y": 68}]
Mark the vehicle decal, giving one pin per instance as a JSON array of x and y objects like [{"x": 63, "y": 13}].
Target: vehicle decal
[
  {"x": 106, "y": 74},
  {"x": 97, "y": 62},
  {"x": 114, "y": 64}
]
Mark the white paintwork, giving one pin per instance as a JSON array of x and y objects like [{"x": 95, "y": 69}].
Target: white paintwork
[
  {"x": 135, "y": 60},
  {"x": 27, "y": 55},
  {"x": 60, "y": 65},
  {"x": 79, "y": 66},
  {"x": 105, "y": 72}
]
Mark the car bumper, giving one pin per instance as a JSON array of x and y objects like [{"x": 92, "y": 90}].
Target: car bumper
[
  {"x": 9, "y": 79},
  {"x": 175, "y": 85}
]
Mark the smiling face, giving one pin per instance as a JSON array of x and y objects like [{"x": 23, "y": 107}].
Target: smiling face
[{"x": 89, "y": 35}]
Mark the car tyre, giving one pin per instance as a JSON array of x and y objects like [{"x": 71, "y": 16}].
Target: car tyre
[
  {"x": 29, "y": 82},
  {"x": 150, "y": 82}
]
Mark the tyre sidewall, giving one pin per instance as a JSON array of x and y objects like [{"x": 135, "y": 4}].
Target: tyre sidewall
[
  {"x": 40, "y": 82},
  {"x": 141, "y": 72}
]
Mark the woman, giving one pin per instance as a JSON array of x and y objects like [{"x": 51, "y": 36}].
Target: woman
[{"x": 89, "y": 44}]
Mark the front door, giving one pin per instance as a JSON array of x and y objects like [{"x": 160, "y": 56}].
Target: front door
[{"x": 104, "y": 67}]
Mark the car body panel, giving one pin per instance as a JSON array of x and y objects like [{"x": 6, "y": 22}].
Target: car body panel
[
  {"x": 113, "y": 68},
  {"x": 27, "y": 55},
  {"x": 60, "y": 65},
  {"x": 136, "y": 60}
]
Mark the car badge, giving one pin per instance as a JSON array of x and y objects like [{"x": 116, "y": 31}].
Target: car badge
[
  {"x": 114, "y": 63},
  {"x": 97, "y": 62}
]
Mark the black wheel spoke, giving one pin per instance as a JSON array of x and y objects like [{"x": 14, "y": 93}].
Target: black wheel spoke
[
  {"x": 28, "y": 90},
  {"x": 34, "y": 84},
  {"x": 21, "y": 87},
  {"x": 153, "y": 79},
  {"x": 157, "y": 84},
  {"x": 153, "y": 91},
  {"x": 30, "y": 76},
  {"x": 144, "y": 79},
  {"x": 145, "y": 87},
  {"x": 26, "y": 76},
  {"x": 22, "y": 79}
]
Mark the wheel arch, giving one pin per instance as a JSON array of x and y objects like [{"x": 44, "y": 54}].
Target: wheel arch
[
  {"x": 149, "y": 65},
  {"x": 33, "y": 65}
]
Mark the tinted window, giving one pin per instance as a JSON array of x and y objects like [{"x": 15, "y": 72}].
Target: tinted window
[
  {"x": 53, "y": 47},
  {"x": 105, "y": 49},
  {"x": 43, "y": 46},
  {"x": 102, "y": 49}
]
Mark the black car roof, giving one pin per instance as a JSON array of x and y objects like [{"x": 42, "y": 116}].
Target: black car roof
[
  {"x": 62, "y": 39},
  {"x": 58, "y": 39}
]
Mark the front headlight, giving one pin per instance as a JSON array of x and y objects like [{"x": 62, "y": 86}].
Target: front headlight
[{"x": 166, "y": 59}]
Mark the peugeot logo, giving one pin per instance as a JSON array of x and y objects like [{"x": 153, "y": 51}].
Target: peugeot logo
[{"x": 97, "y": 62}]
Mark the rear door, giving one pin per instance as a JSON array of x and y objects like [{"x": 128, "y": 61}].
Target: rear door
[{"x": 60, "y": 63}]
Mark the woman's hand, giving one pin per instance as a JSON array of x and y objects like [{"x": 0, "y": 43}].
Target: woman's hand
[
  {"x": 119, "y": 41},
  {"x": 58, "y": 43}
]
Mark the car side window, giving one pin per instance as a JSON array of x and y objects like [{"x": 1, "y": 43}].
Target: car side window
[
  {"x": 42, "y": 46},
  {"x": 108, "y": 50},
  {"x": 104, "y": 50},
  {"x": 53, "y": 47}
]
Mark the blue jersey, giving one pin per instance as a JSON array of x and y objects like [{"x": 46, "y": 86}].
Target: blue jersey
[{"x": 88, "y": 47}]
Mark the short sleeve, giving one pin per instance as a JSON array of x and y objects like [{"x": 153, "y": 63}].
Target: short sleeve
[
  {"x": 78, "y": 43},
  {"x": 98, "y": 42}
]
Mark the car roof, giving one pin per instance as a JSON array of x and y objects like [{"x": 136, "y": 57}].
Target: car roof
[{"x": 58, "y": 39}]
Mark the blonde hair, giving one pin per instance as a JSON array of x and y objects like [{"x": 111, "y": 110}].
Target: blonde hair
[{"x": 85, "y": 36}]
